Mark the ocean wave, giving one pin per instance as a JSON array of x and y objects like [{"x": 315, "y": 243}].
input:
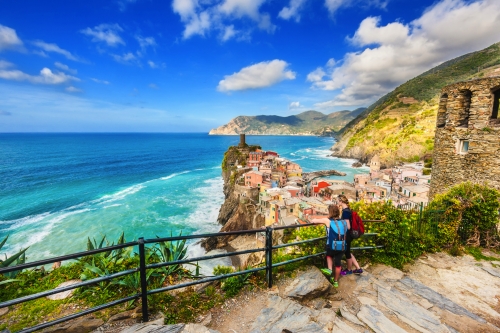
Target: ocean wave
[
  {"x": 113, "y": 205},
  {"x": 24, "y": 221},
  {"x": 174, "y": 175},
  {"x": 119, "y": 195}
]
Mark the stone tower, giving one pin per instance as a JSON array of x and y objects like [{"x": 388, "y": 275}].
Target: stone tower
[
  {"x": 467, "y": 140},
  {"x": 242, "y": 141},
  {"x": 375, "y": 163}
]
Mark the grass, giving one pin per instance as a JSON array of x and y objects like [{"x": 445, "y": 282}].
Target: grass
[{"x": 478, "y": 254}]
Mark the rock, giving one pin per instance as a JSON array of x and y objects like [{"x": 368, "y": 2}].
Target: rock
[
  {"x": 5, "y": 331},
  {"x": 64, "y": 294},
  {"x": 285, "y": 314},
  {"x": 367, "y": 301},
  {"x": 121, "y": 316},
  {"x": 197, "y": 328},
  {"x": 4, "y": 311},
  {"x": 346, "y": 314},
  {"x": 492, "y": 271},
  {"x": 154, "y": 328},
  {"x": 340, "y": 326},
  {"x": 207, "y": 320},
  {"x": 439, "y": 300},
  {"x": 82, "y": 325},
  {"x": 318, "y": 303},
  {"x": 326, "y": 316},
  {"x": 308, "y": 285},
  {"x": 357, "y": 165},
  {"x": 412, "y": 314},
  {"x": 377, "y": 321}
]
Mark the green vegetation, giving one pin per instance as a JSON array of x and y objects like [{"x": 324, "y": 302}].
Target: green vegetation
[{"x": 374, "y": 131}]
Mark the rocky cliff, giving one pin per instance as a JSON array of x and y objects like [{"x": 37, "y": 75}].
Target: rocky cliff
[
  {"x": 236, "y": 213},
  {"x": 305, "y": 123}
]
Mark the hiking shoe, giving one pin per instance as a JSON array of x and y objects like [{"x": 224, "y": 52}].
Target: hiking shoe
[
  {"x": 346, "y": 272},
  {"x": 358, "y": 271},
  {"x": 335, "y": 284},
  {"x": 326, "y": 271}
]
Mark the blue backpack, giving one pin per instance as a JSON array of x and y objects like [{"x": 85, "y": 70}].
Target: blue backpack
[{"x": 337, "y": 234}]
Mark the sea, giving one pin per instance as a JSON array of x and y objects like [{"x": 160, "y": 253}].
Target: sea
[{"x": 58, "y": 190}]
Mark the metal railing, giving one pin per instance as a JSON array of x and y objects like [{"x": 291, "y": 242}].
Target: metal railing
[{"x": 143, "y": 267}]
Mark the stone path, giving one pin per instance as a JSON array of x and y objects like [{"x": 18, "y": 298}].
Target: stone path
[{"x": 439, "y": 293}]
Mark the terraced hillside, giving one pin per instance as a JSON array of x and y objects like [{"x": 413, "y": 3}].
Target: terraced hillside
[
  {"x": 400, "y": 126},
  {"x": 305, "y": 123}
]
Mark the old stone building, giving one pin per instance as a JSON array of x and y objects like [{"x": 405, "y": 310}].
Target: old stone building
[{"x": 467, "y": 140}]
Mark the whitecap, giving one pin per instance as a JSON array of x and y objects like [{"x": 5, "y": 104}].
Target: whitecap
[
  {"x": 24, "y": 221},
  {"x": 173, "y": 175},
  {"x": 119, "y": 195}
]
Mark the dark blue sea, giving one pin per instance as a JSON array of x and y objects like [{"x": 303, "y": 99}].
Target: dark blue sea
[{"x": 58, "y": 189}]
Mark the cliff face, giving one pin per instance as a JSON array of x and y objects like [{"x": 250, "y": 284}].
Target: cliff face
[{"x": 235, "y": 213}]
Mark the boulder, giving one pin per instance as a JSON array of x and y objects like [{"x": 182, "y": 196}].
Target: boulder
[
  {"x": 377, "y": 321},
  {"x": 82, "y": 325},
  {"x": 4, "y": 311},
  {"x": 154, "y": 328},
  {"x": 64, "y": 294},
  {"x": 308, "y": 285}
]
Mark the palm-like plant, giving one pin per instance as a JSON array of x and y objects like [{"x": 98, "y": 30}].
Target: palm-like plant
[{"x": 19, "y": 258}]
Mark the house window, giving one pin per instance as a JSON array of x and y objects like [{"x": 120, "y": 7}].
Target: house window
[
  {"x": 414, "y": 194},
  {"x": 496, "y": 102},
  {"x": 273, "y": 209},
  {"x": 463, "y": 146},
  {"x": 464, "y": 101},
  {"x": 291, "y": 210}
]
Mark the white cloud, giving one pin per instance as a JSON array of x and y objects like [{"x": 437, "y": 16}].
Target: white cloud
[
  {"x": 201, "y": 16},
  {"x": 153, "y": 86},
  {"x": 292, "y": 11},
  {"x": 50, "y": 47},
  {"x": 99, "y": 81},
  {"x": 263, "y": 74},
  {"x": 5, "y": 64},
  {"x": 125, "y": 58},
  {"x": 145, "y": 42},
  {"x": 46, "y": 76},
  {"x": 72, "y": 89},
  {"x": 9, "y": 39},
  {"x": 123, "y": 4},
  {"x": 106, "y": 33},
  {"x": 334, "y": 5},
  {"x": 294, "y": 105},
  {"x": 65, "y": 68},
  {"x": 397, "y": 52}
]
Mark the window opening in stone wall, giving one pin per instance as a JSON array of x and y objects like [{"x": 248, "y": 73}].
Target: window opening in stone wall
[
  {"x": 496, "y": 102},
  {"x": 441, "y": 120},
  {"x": 463, "y": 146},
  {"x": 464, "y": 101}
]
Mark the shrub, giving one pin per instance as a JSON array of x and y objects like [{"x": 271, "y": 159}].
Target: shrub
[{"x": 426, "y": 172}]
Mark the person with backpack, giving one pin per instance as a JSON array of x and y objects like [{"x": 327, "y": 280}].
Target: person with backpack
[
  {"x": 336, "y": 230},
  {"x": 356, "y": 230}
]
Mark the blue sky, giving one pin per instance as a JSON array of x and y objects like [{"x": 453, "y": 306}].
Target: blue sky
[{"x": 192, "y": 65}]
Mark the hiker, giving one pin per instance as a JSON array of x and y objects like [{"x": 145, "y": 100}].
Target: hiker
[
  {"x": 347, "y": 214},
  {"x": 335, "y": 242}
]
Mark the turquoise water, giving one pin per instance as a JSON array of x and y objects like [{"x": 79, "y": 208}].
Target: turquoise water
[{"x": 58, "y": 189}]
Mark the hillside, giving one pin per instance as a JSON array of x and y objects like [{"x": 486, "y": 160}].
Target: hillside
[
  {"x": 305, "y": 123},
  {"x": 400, "y": 125}
]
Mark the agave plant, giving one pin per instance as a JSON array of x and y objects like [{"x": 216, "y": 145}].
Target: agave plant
[{"x": 19, "y": 258}]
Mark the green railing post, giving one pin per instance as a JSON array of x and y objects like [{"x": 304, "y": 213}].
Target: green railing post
[
  {"x": 420, "y": 217},
  {"x": 144, "y": 282},
  {"x": 269, "y": 256}
]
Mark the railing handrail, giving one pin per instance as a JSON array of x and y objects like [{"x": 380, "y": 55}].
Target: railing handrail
[{"x": 143, "y": 267}]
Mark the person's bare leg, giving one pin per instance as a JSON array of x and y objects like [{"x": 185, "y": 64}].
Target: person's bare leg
[
  {"x": 329, "y": 263},
  {"x": 353, "y": 262}
]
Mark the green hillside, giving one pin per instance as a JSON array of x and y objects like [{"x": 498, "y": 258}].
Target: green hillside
[
  {"x": 400, "y": 125},
  {"x": 309, "y": 122}
]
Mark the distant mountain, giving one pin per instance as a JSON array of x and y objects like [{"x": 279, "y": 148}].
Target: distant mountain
[
  {"x": 400, "y": 126},
  {"x": 305, "y": 123}
]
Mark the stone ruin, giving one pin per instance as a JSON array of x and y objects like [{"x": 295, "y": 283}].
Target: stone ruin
[{"x": 467, "y": 140}]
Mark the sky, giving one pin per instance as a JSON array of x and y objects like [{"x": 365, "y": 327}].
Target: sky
[{"x": 193, "y": 65}]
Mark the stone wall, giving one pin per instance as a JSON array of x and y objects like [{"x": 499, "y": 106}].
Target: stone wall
[{"x": 465, "y": 113}]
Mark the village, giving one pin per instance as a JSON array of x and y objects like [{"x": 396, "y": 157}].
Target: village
[{"x": 283, "y": 193}]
